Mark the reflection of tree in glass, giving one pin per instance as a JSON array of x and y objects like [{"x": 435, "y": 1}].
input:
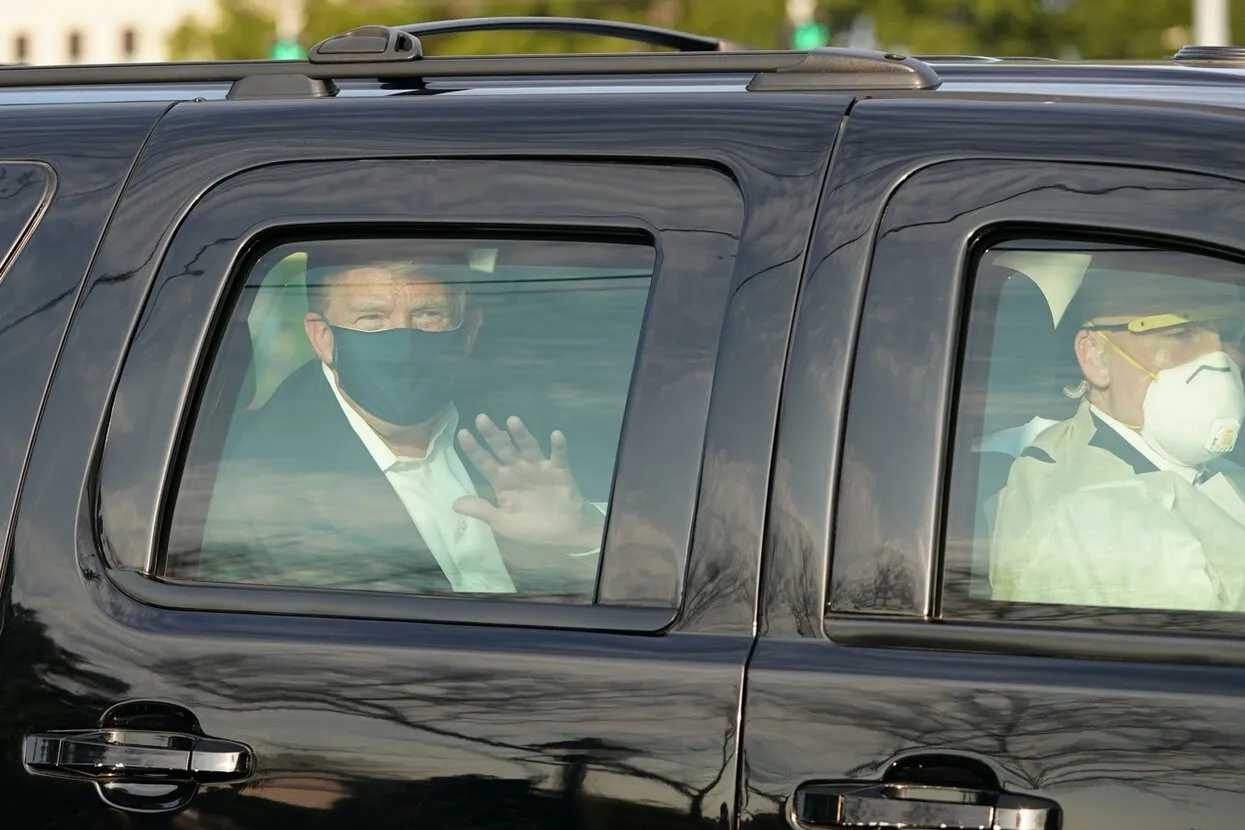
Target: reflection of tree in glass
[
  {"x": 45, "y": 686},
  {"x": 488, "y": 716},
  {"x": 1044, "y": 738}
]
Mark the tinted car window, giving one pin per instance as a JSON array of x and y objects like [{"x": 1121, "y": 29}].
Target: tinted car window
[
  {"x": 1097, "y": 463},
  {"x": 426, "y": 416}
]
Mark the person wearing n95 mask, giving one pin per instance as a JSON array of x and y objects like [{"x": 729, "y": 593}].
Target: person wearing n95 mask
[{"x": 1133, "y": 501}]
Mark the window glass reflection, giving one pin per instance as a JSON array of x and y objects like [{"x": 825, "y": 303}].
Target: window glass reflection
[
  {"x": 424, "y": 416},
  {"x": 1097, "y": 461}
]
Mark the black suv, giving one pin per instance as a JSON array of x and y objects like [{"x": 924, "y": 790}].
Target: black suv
[{"x": 610, "y": 441}]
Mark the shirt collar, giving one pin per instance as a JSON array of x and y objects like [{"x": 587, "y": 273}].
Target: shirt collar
[
  {"x": 1138, "y": 443},
  {"x": 384, "y": 457}
]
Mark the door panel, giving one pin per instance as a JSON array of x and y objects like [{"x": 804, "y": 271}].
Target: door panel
[
  {"x": 1141, "y": 729},
  {"x": 477, "y": 725},
  {"x": 53, "y": 208},
  {"x": 571, "y": 717}
]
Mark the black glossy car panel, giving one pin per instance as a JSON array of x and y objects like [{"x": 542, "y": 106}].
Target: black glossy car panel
[
  {"x": 389, "y": 722},
  {"x": 887, "y": 681},
  {"x": 26, "y": 188},
  {"x": 80, "y": 167},
  {"x": 787, "y": 453}
]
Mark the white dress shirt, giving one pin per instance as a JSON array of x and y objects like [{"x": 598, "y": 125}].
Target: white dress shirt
[{"x": 464, "y": 547}]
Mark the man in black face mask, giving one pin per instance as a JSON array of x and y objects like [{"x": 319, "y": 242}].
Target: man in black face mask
[{"x": 351, "y": 475}]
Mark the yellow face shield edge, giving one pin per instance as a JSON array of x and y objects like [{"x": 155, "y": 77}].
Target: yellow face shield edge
[{"x": 1234, "y": 313}]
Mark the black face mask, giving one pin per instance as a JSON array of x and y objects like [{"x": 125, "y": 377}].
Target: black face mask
[{"x": 402, "y": 376}]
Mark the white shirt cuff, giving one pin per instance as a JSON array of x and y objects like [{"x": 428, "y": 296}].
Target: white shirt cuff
[{"x": 604, "y": 507}]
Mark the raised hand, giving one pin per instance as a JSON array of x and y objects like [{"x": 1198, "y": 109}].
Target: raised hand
[{"x": 538, "y": 501}]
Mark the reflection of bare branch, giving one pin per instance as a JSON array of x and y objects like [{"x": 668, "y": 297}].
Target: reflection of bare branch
[
  {"x": 1046, "y": 737},
  {"x": 874, "y": 572},
  {"x": 725, "y": 515},
  {"x": 890, "y": 587},
  {"x": 489, "y": 712},
  {"x": 45, "y": 686}
]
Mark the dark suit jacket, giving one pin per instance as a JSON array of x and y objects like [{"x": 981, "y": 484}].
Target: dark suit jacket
[{"x": 297, "y": 500}]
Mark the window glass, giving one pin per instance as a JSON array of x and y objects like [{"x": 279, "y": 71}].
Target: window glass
[
  {"x": 1096, "y": 460},
  {"x": 422, "y": 416}
]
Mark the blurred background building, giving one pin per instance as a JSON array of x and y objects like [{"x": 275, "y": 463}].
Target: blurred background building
[
  {"x": 78, "y": 31},
  {"x": 92, "y": 31}
]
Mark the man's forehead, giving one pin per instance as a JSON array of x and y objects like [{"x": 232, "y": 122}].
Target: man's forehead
[{"x": 371, "y": 281}]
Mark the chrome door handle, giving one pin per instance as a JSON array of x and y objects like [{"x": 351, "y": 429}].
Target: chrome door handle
[
  {"x": 136, "y": 756},
  {"x": 919, "y": 807}
]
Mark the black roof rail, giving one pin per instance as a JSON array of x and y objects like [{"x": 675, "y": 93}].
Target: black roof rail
[
  {"x": 1210, "y": 54},
  {"x": 637, "y": 32},
  {"x": 983, "y": 58},
  {"x": 394, "y": 53},
  {"x": 826, "y": 68}
]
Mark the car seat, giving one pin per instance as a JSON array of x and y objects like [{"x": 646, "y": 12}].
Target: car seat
[
  {"x": 220, "y": 418},
  {"x": 1010, "y": 395}
]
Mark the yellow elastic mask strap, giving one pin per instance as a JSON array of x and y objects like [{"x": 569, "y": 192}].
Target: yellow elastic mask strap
[{"x": 1132, "y": 360}]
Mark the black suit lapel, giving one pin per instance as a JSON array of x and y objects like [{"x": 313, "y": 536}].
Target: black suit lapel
[{"x": 348, "y": 496}]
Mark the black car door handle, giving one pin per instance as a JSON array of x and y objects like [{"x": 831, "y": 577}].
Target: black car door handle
[
  {"x": 137, "y": 756},
  {"x": 919, "y": 808}
]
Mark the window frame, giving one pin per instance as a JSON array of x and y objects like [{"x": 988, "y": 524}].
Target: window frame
[
  {"x": 923, "y": 246},
  {"x": 672, "y": 330},
  {"x": 956, "y": 605},
  {"x": 244, "y": 275}
]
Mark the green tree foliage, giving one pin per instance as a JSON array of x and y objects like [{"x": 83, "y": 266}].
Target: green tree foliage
[
  {"x": 1093, "y": 29},
  {"x": 246, "y": 28},
  {"x": 955, "y": 26}
]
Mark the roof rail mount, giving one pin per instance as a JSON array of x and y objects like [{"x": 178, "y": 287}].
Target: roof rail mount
[
  {"x": 835, "y": 68},
  {"x": 1211, "y": 54},
  {"x": 289, "y": 85},
  {"x": 635, "y": 32},
  {"x": 367, "y": 43}
]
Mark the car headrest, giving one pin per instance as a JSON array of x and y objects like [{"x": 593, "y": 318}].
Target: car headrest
[{"x": 1031, "y": 360}]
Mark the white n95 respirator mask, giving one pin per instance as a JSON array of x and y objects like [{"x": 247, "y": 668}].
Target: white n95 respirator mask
[{"x": 1193, "y": 412}]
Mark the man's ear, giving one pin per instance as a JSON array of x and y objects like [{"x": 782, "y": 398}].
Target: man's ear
[
  {"x": 320, "y": 336},
  {"x": 1092, "y": 359},
  {"x": 471, "y": 326}
]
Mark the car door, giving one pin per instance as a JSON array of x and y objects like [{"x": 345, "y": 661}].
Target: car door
[
  {"x": 890, "y": 683},
  {"x": 633, "y": 294}
]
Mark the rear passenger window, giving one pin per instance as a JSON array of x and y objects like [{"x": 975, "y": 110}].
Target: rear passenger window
[
  {"x": 1097, "y": 460},
  {"x": 425, "y": 416}
]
